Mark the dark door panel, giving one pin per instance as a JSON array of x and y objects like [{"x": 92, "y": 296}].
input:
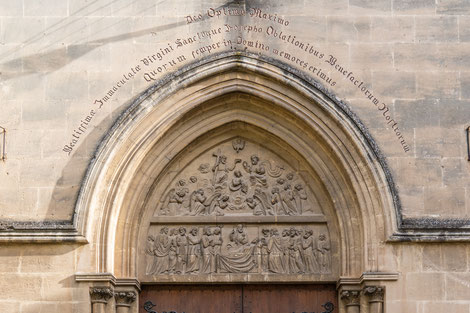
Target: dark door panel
[
  {"x": 238, "y": 299},
  {"x": 289, "y": 298},
  {"x": 191, "y": 299}
]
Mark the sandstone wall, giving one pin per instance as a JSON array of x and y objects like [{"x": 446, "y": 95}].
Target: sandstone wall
[{"x": 68, "y": 69}]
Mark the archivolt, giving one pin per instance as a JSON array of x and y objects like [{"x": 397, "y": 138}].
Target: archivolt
[{"x": 244, "y": 92}]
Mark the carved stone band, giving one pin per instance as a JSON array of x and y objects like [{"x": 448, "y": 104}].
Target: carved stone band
[
  {"x": 100, "y": 294},
  {"x": 375, "y": 294},
  {"x": 220, "y": 249}
]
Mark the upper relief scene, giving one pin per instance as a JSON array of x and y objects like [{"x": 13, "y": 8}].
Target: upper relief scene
[{"x": 238, "y": 178}]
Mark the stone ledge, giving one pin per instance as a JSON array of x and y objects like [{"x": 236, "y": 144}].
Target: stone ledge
[{"x": 237, "y": 219}]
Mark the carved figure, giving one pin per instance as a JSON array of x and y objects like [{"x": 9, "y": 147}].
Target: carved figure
[
  {"x": 238, "y": 183},
  {"x": 194, "y": 251},
  {"x": 207, "y": 252},
  {"x": 257, "y": 171},
  {"x": 181, "y": 250},
  {"x": 238, "y": 144},
  {"x": 150, "y": 256},
  {"x": 174, "y": 198},
  {"x": 218, "y": 205},
  {"x": 219, "y": 168},
  {"x": 308, "y": 246},
  {"x": 206, "y": 195},
  {"x": 204, "y": 168},
  {"x": 172, "y": 251},
  {"x": 255, "y": 205},
  {"x": 240, "y": 258},
  {"x": 287, "y": 198},
  {"x": 217, "y": 247},
  {"x": 299, "y": 194},
  {"x": 263, "y": 250},
  {"x": 177, "y": 251},
  {"x": 238, "y": 237},
  {"x": 296, "y": 265},
  {"x": 276, "y": 256},
  {"x": 323, "y": 249},
  {"x": 197, "y": 202},
  {"x": 264, "y": 203}
]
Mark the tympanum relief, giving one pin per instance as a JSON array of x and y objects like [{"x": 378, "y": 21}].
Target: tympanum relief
[
  {"x": 236, "y": 183},
  {"x": 240, "y": 209},
  {"x": 208, "y": 249}
]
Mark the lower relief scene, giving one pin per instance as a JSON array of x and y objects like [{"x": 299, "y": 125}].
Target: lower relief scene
[{"x": 263, "y": 249}]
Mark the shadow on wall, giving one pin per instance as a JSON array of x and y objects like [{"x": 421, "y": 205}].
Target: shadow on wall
[
  {"x": 64, "y": 196},
  {"x": 65, "y": 193},
  {"x": 56, "y": 59}
]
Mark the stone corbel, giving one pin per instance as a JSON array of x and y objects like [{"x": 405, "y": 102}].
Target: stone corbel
[
  {"x": 124, "y": 300},
  {"x": 351, "y": 300},
  {"x": 99, "y": 297},
  {"x": 375, "y": 296}
]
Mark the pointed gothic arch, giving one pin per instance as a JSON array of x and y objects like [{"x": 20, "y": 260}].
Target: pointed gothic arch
[{"x": 238, "y": 95}]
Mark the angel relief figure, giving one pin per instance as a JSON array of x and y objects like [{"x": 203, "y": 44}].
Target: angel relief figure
[
  {"x": 173, "y": 201},
  {"x": 197, "y": 202},
  {"x": 200, "y": 204}
]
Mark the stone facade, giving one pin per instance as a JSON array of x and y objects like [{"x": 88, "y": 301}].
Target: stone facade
[{"x": 147, "y": 142}]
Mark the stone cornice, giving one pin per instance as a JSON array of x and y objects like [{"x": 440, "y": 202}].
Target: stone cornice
[{"x": 108, "y": 278}]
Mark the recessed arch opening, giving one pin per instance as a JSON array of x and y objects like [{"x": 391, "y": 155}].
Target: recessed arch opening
[{"x": 237, "y": 96}]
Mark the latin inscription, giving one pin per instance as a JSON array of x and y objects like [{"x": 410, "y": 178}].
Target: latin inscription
[{"x": 301, "y": 53}]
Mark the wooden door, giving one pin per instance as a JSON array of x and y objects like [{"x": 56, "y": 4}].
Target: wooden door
[
  {"x": 289, "y": 299},
  {"x": 238, "y": 299}
]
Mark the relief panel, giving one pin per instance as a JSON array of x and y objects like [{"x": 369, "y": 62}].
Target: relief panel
[
  {"x": 236, "y": 210},
  {"x": 264, "y": 249},
  {"x": 237, "y": 179}
]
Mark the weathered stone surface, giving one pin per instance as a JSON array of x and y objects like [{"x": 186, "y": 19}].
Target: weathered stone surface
[
  {"x": 392, "y": 29},
  {"x": 436, "y": 307},
  {"x": 455, "y": 172},
  {"x": 457, "y": 7},
  {"x": 341, "y": 29},
  {"x": 457, "y": 286},
  {"x": 417, "y": 113},
  {"x": 454, "y": 113},
  {"x": 58, "y": 59},
  {"x": 413, "y": 7},
  {"x": 394, "y": 84},
  {"x": 436, "y": 29},
  {"x": 376, "y": 7},
  {"x": 436, "y": 141},
  {"x": 444, "y": 201},
  {"x": 416, "y": 281},
  {"x": 439, "y": 85},
  {"x": 374, "y": 56}
]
